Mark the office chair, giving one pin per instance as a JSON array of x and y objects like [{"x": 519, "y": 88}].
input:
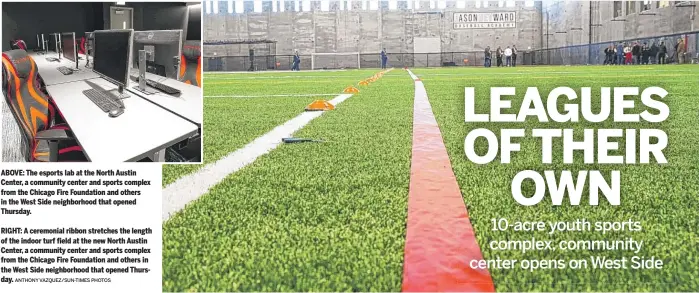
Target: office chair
[
  {"x": 35, "y": 112},
  {"x": 18, "y": 44},
  {"x": 190, "y": 63},
  {"x": 81, "y": 49}
]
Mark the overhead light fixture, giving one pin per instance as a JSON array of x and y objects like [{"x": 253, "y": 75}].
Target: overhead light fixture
[{"x": 121, "y": 3}]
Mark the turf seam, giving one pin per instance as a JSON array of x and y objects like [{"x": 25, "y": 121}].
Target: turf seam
[
  {"x": 189, "y": 188},
  {"x": 440, "y": 241}
]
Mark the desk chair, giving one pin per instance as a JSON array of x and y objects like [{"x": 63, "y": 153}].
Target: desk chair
[
  {"x": 35, "y": 112},
  {"x": 81, "y": 48},
  {"x": 18, "y": 44},
  {"x": 190, "y": 63}
]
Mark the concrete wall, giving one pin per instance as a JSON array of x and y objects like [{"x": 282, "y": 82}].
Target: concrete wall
[
  {"x": 367, "y": 31},
  {"x": 24, "y": 20}
]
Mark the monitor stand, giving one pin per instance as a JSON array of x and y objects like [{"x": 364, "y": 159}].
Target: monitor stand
[
  {"x": 142, "y": 87},
  {"x": 119, "y": 95}
]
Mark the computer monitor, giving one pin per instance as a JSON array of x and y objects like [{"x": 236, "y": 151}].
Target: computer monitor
[
  {"x": 112, "y": 56},
  {"x": 69, "y": 50},
  {"x": 162, "y": 45}
]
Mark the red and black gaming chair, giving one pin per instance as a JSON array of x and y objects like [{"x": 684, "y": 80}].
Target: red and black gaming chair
[
  {"x": 18, "y": 44},
  {"x": 81, "y": 49},
  {"x": 190, "y": 63},
  {"x": 35, "y": 112}
]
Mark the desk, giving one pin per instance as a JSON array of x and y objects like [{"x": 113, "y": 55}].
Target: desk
[
  {"x": 50, "y": 74},
  {"x": 189, "y": 105},
  {"x": 141, "y": 131}
]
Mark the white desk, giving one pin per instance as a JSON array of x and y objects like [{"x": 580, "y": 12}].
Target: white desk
[
  {"x": 49, "y": 70},
  {"x": 142, "y": 130},
  {"x": 188, "y": 105}
]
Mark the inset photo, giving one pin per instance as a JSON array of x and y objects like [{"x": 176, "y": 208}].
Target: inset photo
[{"x": 101, "y": 82}]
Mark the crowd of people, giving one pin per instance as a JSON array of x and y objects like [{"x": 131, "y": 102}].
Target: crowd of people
[
  {"x": 643, "y": 53},
  {"x": 510, "y": 55}
]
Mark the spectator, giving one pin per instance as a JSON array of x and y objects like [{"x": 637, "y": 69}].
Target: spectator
[
  {"x": 628, "y": 58},
  {"x": 619, "y": 54},
  {"x": 681, "y": 51},
  {"x": 662, "y": 52},
  {"x": 488, "y": 56},
  {"x": 636, "y": 52},
  {"x": 297, "y": 61},
  {"x": 653, "y": 53},
  {"x": 498, "y": 56},
  {"x": 645, "y": 53},
  {"x": 508, "y": 56},
  {"x": 384, "y": 58},
  {"x": 608, "y": 55},
  {"x": 514, "y": 55}
]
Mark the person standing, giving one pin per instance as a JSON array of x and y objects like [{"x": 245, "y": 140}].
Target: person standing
[
  {"x": 627, "y": 55},
  {"x": 636, "y": 52},
  {"x": 620, "y": 54},
  {"x": 662, "y": 51},
  {"x": 645, "y": 53},
  {"x": 681, "y": 51},
  {"x": 297, "y": 61},
  {"x": 384, "y": 58},
  {"x": 508, "y": 56},
  {"x": 487, "y": 57},
  {"x": 498, "y": 56},
  {"x": 653, "y": 53},
  {"x": 514, "y": 55}
]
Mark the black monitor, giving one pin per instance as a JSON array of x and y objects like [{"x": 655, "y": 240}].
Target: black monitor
[
  {"x": 69, "y": 50},
  {"x": 162, "y": 45},
  {"x": 112, "y": 55}
]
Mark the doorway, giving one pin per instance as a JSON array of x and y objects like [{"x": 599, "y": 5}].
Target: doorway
[{"x": 121, "y": 17}]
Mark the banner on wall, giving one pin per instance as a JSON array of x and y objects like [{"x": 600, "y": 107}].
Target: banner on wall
[{"x": 484, "y": 20}]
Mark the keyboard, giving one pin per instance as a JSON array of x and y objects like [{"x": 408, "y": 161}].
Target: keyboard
[
  {"x": 102, "y": 100},
  {"x": 161, "y": 87},
  {"x": 65, "y": 70}
]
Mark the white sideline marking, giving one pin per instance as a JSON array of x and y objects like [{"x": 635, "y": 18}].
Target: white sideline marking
[
  {"x": 190, "y": 187},
  {"x": 270, "y": 96},
  {"x": 581, "y": 73},
  {"x": 276, "y": 71}
]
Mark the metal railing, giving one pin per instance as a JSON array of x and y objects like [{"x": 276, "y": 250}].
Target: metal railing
[{"x": 570, "y": 55}]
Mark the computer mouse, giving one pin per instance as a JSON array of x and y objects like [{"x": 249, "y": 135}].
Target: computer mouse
[{"x": 115, "y": 112}]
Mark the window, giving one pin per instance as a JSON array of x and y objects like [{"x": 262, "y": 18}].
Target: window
[
  {"x": 617, "y": 9},
  {"x": 248, "y": 7},
  {"x": 403, "y": 5},
  {"x": 266, "y": 6},
  {"x": 630, "y": 7},
  {"x": 662, "y": 4},
  {"x": 647, "y": 5}
]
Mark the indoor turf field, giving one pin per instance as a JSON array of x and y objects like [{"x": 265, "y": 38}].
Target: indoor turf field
[{"x": 331, "y": 216}]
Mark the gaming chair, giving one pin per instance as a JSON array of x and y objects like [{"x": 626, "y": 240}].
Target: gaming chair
[
  {"x": 35, "y": 112},
  {"x": 81, "y": 48},
  {"x": 18, "y": 44},
  {"x": 190, "y": 63}
]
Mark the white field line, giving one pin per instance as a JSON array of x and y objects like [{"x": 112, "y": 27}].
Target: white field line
[
  {"x": 275, "y": 71},
  {"x": 287, "y": 76},
  {"x": 581, "y": 73},
  {"x": 190, "y": 187},
  {"x": 272, "y": 96}
]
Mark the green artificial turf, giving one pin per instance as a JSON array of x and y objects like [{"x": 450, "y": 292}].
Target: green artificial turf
[
  {"x": 230, "y": 123},
  {"x": 662, "y": 197},
  {"x": 307, "y": 217}
]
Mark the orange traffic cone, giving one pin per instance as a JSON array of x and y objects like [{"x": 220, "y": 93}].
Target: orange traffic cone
[
  {"x": 320, "y": 105},
  {"x": 351, "y": 90},
  {"x": 364, "y": 82}
]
